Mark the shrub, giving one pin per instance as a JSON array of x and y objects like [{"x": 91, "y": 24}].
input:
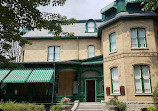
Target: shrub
[
  {"x": 155, "y": 97},
  {"x": 150, "y": 108},
  {"x": 14, "y": 106},
  {"x": 121, "y": 105},
  {"x": 65, "y": 100},
  {"x": 57, "y": 107}
]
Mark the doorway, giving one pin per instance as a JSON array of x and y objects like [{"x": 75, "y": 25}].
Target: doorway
[{"x": 90, "y": 90}]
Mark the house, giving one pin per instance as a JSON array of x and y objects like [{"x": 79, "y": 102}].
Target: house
[{"x": 113, "y": 57}]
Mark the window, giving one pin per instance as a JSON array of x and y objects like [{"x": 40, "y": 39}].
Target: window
[
  {"x": 54, "y": 53},
  {"x": 91, "y": 51},
  {"x": 142, "y": 79},
  {"x": 114, "y": 80},
  {"x": 91, "y": 26},
  {"x": 112, "y": 42},
  {"x": 138, "y": 38}
]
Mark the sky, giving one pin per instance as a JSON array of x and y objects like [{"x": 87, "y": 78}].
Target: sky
[{"x": 79, "y": 9}]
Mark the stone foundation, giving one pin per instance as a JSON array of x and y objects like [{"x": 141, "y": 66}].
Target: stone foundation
[{"x": 138, "y": 105}]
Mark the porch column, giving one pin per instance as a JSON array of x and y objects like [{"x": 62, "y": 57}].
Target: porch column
[
  {"x": 84, "y": 90},
  {"x": 102, "y": 87},
  {"x": 96, "y": 89},
  {"x": 79, "y": 85}
]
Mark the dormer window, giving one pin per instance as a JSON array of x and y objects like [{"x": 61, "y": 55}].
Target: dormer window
[{"x": 91, "y": 26}]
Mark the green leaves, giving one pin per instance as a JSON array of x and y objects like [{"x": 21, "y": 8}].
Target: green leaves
[
  {"x": 151, "y": 5},
  {"x": 16, "y": 15}
]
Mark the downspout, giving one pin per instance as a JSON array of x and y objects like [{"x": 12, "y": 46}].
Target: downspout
[
  {"x": 77, "y": 49},
  {"x": 53, "y": 86}
]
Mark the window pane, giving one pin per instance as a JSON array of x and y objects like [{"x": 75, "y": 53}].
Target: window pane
[
  {"x": 147, "y": 87},
  {"x": 57, "y": 53},
  {"x": 113, "y": 41},
  {"x": 145, "y": 70},
  {"x": 113, "y": 38},
  {"x": 91, "y": 27},
  {"x": 115, "y": 81},
  {"x": 50, "y": 57},
  {"x": 91, "y": 51},
  {"x": 134, "y": 42},
  {"x": 142, "y": 42},
  {"x": 146, "y": 78},
  {"x": 138, "y": 85},
  {"x": 51, "y": 50},
  {"x": 115, "y": 86},
  {"x": 134, "y": 33},
  {"x": 113, "y": 47},
  {"x": 50, "y": 53},
  {"x": 137, "y": 72},
  {"x": 141, "y": 32},
  {"x": 90, "y": 24},
  {"x": 114, "y": 74}
]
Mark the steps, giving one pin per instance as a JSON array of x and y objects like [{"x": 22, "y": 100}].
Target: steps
[{"x": 90, "y": 106}]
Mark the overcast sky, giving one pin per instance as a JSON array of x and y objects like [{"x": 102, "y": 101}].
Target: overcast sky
[{"x": 79, "y": 9}]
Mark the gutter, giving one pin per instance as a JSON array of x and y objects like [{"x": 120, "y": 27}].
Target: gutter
[{"x": 77, "y": 49}]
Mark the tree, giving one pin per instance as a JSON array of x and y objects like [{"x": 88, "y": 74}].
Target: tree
[
  {"x": 151, "y": 5},
  {"x": 19, "y": 14}
]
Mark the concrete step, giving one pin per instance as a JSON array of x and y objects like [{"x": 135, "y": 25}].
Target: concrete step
[
  {"x": 90, "y": 106},
  {"x": 89, "y": 110}
]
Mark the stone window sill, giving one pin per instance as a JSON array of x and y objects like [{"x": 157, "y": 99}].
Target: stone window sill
[
  {"x": 117, "y": 94},
  {"x": 113, "y": 52},
  {"x": 139, "y": 48},
  {"x": 143, "y": 94}
]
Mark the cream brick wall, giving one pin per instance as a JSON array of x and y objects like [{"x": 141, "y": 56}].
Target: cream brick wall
[
  {"x": 38, "y": 51},
  {"x": 65, "y": 84},
  {"x": 125, "y": 57}
]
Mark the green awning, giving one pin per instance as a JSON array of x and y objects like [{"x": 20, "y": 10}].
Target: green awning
[
  {"x": 3, "y": 73},
  {"x": 92, "y": 62},
  {"x": 113, "y": 4},
  {"x": 17, "y": 76},
  {"x": 41, "y": 75}
]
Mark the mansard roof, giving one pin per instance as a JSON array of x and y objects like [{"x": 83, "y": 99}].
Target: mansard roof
[{"x": 127, "y": 16}]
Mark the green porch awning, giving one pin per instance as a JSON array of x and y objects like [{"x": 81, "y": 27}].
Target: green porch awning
[
  {"x": 41, "y": 75},
  {"x": 17, "y": 76},
  {"x": 3, "y": 73}
]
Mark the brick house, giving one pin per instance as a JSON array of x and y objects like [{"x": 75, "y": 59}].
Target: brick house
[{"x": 113, "y": 57}]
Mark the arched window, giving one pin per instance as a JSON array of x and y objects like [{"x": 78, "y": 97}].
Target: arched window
[
  {"x": 112, "y": 38},
  {"x": 91, "y": 26},
  {"x": 142, "y": 79}
]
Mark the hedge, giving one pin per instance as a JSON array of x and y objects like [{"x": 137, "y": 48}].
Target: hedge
[{"x": 14, "y": 106}]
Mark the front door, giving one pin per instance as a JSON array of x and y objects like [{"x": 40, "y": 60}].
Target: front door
[{"x": 90, "y": 90}]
